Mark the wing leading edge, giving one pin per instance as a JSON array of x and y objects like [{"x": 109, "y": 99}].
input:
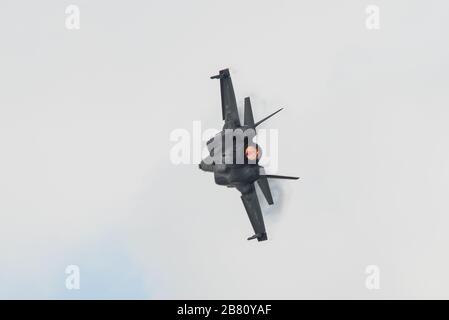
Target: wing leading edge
[
  {"x": 252, "y": 207},
  {"x": 229, "y": 110}
]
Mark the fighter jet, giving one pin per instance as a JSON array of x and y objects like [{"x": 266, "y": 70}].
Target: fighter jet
[{"x": 234, "y": 156}]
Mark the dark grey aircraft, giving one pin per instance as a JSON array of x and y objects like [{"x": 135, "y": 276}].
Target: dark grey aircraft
[{"x": 234, "y": 156}]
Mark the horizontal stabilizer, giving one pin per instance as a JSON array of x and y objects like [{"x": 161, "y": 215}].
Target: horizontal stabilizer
[
  {"x": 272, "y": 176},
  {"x": 266, "y": 118}
]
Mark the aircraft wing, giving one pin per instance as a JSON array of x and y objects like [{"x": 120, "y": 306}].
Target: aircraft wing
[
  {"x": 252, "y": 206},
  {"x": 229, "y": 110}
]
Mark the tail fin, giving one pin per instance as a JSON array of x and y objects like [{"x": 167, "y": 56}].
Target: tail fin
[
  {"x": 248, "y": 119},
  {"x": 272, "y": 176}
]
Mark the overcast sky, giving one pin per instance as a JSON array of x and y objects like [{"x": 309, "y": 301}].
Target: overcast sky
[{"x": 86, "y": 178}]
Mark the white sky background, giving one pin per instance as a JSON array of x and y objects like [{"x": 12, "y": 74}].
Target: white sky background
[{"x": 85, "y": 177}]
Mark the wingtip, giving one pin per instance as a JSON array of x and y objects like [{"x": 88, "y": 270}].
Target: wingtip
[
  {"x": 222, "y": 74},
  {"x": 259, "y": 237}
]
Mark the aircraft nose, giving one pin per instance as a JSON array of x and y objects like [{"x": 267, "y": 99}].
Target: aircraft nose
[{"x": 206, "y": 167}]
